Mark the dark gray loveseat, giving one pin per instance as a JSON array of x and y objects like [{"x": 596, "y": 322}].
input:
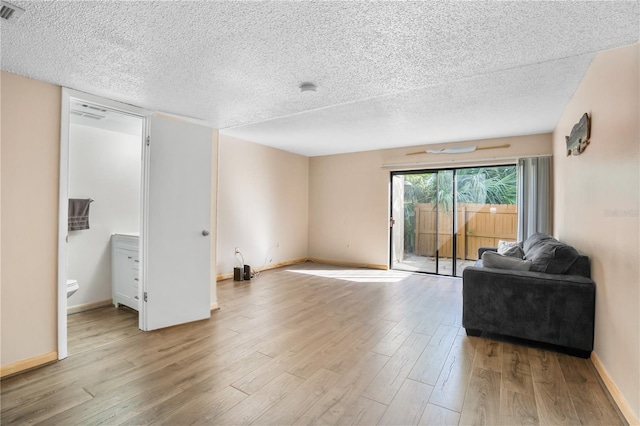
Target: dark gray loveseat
[{"x": 552, "y": 303}]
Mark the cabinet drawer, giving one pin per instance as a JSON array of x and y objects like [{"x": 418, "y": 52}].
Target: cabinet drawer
[
  {"x": 135, "y": 281},
  {"x": 125, "y": 270},
  {"x": 125, "y": 241}
]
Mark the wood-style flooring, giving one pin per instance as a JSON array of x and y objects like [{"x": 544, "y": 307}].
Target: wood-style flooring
[{"x": 308, "y": 344}]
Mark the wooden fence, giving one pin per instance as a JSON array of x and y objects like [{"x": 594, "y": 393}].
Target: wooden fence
[{"x": 478, "y": 225}]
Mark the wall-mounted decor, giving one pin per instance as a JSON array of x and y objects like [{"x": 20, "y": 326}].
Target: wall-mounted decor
[{"x": 580, "y": 136}]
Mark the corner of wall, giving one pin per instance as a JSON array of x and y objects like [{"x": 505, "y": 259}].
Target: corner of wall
[{"x": 263, "y": 206}]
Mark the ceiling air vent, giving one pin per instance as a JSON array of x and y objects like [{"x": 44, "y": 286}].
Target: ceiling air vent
[
  {"x": 93, "y": 107},
  {"x": 10, "y": 12},
  {"x": 87, "y": 115}
]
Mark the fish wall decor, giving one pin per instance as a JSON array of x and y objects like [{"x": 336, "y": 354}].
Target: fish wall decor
[{"x": 580, "y": 136}]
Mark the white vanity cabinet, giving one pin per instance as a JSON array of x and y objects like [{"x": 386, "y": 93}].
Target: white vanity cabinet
[{"x": 125, "y": 270}]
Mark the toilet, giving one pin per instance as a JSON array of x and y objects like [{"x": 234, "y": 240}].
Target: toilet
[{"x": 72, "y": 287}]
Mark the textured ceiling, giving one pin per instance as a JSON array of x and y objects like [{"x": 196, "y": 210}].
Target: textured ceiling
[{"x": 388, "y": 73}]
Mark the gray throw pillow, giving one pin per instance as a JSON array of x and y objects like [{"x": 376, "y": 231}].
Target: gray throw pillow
[
  {"x": 534, "y": 240},
  {"x": 540, "y": 255},
  {"x": 515, "y": 251},
  {"x": 494, "y": 260},
  {"x": 564, "y": 257}
]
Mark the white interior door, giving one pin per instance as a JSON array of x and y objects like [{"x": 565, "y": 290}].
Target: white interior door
[{"x": 177, "y": 208}]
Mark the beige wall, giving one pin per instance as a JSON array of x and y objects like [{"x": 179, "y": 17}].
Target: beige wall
[
  {"x": 597, "y": 199},
  {"x": 349, "y": 194},
  {"x": 349, "y": 208},
  {"x": 263, "y": 200},
  {"x": 30, "y": 167}
]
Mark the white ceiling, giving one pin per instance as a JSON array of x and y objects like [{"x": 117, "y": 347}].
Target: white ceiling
[{"x": 389, "y": 74}]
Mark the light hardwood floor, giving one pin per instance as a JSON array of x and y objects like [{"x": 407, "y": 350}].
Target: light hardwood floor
[{"x": 308, "y": 344}]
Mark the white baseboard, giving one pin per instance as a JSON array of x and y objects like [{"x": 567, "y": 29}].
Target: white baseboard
[
  {"x": 88, "y": 306},
  {"x": 214, "y": 306},
  {"x": 617, "y": 396}
]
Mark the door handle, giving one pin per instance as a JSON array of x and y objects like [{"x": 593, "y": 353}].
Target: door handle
[{"x": 205, "y": 232}]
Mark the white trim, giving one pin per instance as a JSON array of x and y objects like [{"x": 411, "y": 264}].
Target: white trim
[
  {"x": 88, "y": 306},
  {"x": 186, "y": 119},
  {"x": 63, "y": 210},
  {"x": 63, "y": 204},
  {"x": 144, "y": 228},
  {"x": 615, "y": 393}
]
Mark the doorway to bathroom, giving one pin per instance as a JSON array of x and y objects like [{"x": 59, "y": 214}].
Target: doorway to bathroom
[
  {"x": 104, "y": 181},
  {"x": 166, "y": 269}
]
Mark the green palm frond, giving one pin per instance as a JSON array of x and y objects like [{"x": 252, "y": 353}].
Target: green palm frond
[{"x": 477, "y": 185}]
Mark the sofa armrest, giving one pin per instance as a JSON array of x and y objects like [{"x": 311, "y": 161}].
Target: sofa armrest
[{"x": 483, "y": 249}]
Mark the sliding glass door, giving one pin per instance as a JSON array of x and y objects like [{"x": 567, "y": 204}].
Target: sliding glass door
[
  {"x": 440, "y": 218},
  {"x": 422, "y": 222}
]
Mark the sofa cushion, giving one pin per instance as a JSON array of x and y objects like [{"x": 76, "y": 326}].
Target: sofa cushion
[
  {"x": 582, "y": 267},
  {"x": 540, "y": 255},
  {"x": 514, "y": 251},
  {"x": 499, "y": 261},
  {"x": 534, "y": 240},
  {"x": 551, "y": 256},
  {"x": 564, "y": 257}
]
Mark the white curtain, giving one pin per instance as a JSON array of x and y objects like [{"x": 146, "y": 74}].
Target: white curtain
[{"x": 534, "y": 196}]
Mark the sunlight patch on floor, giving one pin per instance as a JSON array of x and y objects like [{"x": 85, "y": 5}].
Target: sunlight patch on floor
[{"x": 358, "y": 275}]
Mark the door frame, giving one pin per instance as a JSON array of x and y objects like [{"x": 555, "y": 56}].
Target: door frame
[{"x": 63, "y": 206}]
